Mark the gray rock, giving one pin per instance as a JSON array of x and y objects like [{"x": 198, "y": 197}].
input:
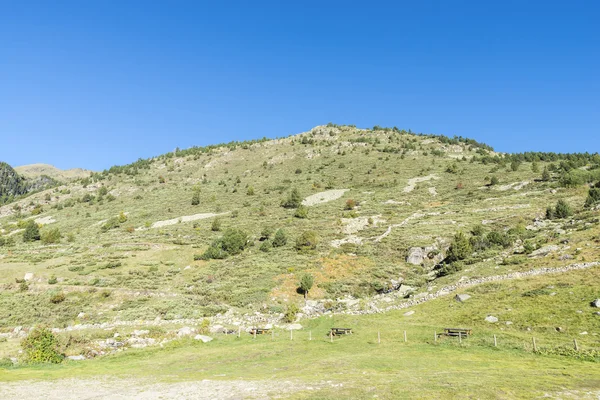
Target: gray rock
[
  {"x": 491, "y": 319},
  {"x": 28, "y": 276},
  {"x": 205, "y": 339},
  {"x": 185, "y": 331},
  {"x": 294, "y": 327},
  {"x": 141, "y": 332},
  {"x": 462, "y": 297},
  {"x": 416, "y": 255},
  {"x": 545, "y": 250},
  {"x": 596, "y": 303},
  {"x": 409, "y": 313},
  {"x": 76, "y": 358},
  {"x": 216, "y": 329}
]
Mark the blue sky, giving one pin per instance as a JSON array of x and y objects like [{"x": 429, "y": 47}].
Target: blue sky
[{"x": 96, "y": 83}]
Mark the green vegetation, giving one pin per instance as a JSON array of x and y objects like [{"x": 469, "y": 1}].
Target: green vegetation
[
  {"x": 32, "y": 232},
  {"x": 41, "y": 346}
]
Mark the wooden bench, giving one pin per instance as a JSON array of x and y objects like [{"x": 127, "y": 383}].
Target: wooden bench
[
  {"x": 259, "y": 331},
  {"x": 462, "y": 332},
  {"x": 340, "y": 331}
]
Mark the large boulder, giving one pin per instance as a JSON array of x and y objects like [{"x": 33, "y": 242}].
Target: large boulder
[
  {"x": 205, "y": 339},
  {"x": 28, "y": 276},
  {"x": 185, "y": 331},
  {"x": 491, "y": 319},
  {"x": 596, "y": 303},
  {"x": 416, "y": 255},
  {"x": 462, "y": 297}
]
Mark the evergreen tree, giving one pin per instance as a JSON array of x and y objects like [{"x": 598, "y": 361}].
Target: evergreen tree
[
  {"x": 563, "y": 210},
  {"x": 280, "y": 238},
  {"x": 306, "y": 283},
  {"x": 545, "y": 174},
  {"x": 293, "y": 201},
  {"x": 459, "y": 249}
]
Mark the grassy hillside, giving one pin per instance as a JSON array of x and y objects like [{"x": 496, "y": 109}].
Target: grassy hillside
[
  {"x": 37, "y": 170},
  {"x": 192, "y": 234}
]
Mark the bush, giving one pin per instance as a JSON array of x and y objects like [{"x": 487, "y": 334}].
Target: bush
[
  {"x": 32, "y": 232},
  {"x": 350, "y": 204},
  {"x": 250, "y": 191},
  {"x": 301, "y": 212},
  {"x": 280, "y": 238},
  {"x": 216, "y": 225},
  {"x": 499, "y": 239},
  {"x": 52, "y": 280},
  {"x": 233, "y": 242},
  {"x": 51, "y": 236},
  {"x": 57, "y": 298},
  {"x": 563, "y": 210},
  {"x": 593, "y": 197},
  {"x": 494, "y": 180},
  {"x": 266, "y": 233},
  {"x": 41, "y": 346},
  {"x": 265, "y": 246},
  {"x": 452, "y": 168},
  {"x": 196, "y": 198},
  {"x": 291, "y": 312},
  {"x": 459, "y": 249},
  {"x": 293, "y": 201},
  {"x": 307, "y": 241},
  {"x": 545, "y": 175},
  {"x": 6, "y": 241}
]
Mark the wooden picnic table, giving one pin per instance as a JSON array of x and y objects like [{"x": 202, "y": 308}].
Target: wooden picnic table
[
  {"x": 259, "y": 331},
  {"x": 340, "y": 331},
  {"x": 462, "y": 332}
]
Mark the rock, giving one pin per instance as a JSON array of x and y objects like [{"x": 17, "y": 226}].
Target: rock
[
  {"x": 205, "y": 339},
  {"x": 583, "y": 333},
  {"x": 491, "y": 319},
  {"x": 416, "y": 255},
  {"x": 76, "y": 358},
  {"x": 81, "y": 315},
  {"x": 216, "y": 329},
  {"x": 311, "y": 303},
  {"x": 294, "y": 327},
  {"x": 595, "y": 303},
  {"x": 597, "y": 313},
  {"x": 269, "y": 326},
  {"x": 142, "y": 332},
  {"x": 28, "y": 276},
  {"x": 462, "y": 297},
  {"x": 558, "y": 329},
  {"x": 508, "y": 323},
  {"x": 185, "y": 331},
  {"x": 409, "y": 313},
  {"x": 544, "y": 250},
  {"x": 405, "y": 288},
  {"x": 565, "y": 257}
]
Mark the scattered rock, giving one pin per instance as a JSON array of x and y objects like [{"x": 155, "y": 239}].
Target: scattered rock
[
  {"x": 462, "y": 297},
  {"x": 185, "y": 331},
  {"x": 205, "y": 339},
  {"x": 409, "y": 313},
  {"x": 491, "y": 319},
  {"x": 583, "y": 333},
  {"x": 141, "y": 332},
  {"x": 28, "y": 276},
  {"x": 216, "y": 329},
  {"x": 416, "y": 255},
  {"x": 544, "y": 250},
  {"x": 596, "y": 303},
  {"x": 76, "y": 358}
]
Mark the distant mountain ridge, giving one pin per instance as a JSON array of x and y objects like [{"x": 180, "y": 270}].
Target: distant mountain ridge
[{"x": 39, "y": 169}]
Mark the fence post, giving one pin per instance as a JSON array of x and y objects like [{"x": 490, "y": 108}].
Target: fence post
[
  {"x": 575, "y": 343},
  {"x": 495, "y": 341},
  {"x": 534, "y": 344},
  {"x": 405, "y": 340},
  {"x": 239, "y": 331},
  {"x": 378, "y": 337},
  {"x": 435, "y": 336},
  {"x": 309, "y": 335},
  {"x": 291, "y": 334},
  {"x": 255, "y": 333},
  {"x": 460, "y": 337},
  {"x": 331, "y": 336},
  {"x": 272, "y": 334}
]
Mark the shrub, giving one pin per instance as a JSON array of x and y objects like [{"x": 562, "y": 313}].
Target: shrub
[
  {"x": 301, "y": 212},
  {"x": 593, "y": 197},
  {"x": 452, "y": 168},
  {"x": 499, "y": 239},
  {"x": 307, "y": 241},
  {"x": 112, "y": 223},
  {"x": 23, "y": 286},
  {"x": 350, "y": 204},
  {"x": 494, "y": 180},
  {"x": 41, "y": 346},
  {"x": 250, "y": 191},
  {"x": 196, "y": 198},
  {"x": 122, "y": 217},
  {"x": 51, "y": 236},
  {"x": 562, "y": 210},
  {"x": 514, "y": 165},
  {"x": 448, "y": 269},
  {"x": 459, "y": 249},
  {"x": 545, "y": 175},
  {"x": 216, "y": 225},
  {"x": 7, "y": 241},
  {"x": 57, "y": 298},
  {"x": 32, "y": 232},
  {"x": 161, "y": 179},
  {"x": 293, "y": 201},
  {"x": 52, "y": 280},
  {"x": 291, "y": 312},
  {"x": 265, "y": 246},
  {"x": 37, "y": 210},
  {"x": 550, "y": 213},
  {"x": 266, "y": 233},
  {"x": 233, "y": 242},
  {"x": 280, "y": 238}
]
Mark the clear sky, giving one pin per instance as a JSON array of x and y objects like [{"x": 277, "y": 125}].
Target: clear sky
[{"x": 96, "y": 83}]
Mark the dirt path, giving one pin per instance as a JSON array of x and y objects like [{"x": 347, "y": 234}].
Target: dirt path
[
  {"x": 87, "y": 389},
  {"x": 324, "y": 197}
]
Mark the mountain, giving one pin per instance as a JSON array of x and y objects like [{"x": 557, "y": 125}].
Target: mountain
[
  {"x": 37, "y": 170},
  {"x": 11, "y": 184},
  {"x": 377, "y": 219}
]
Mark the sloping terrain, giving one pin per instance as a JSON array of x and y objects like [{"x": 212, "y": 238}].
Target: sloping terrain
[
  {"x": 227, "y": 232},
  {"x": 37, "y": 170}
]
